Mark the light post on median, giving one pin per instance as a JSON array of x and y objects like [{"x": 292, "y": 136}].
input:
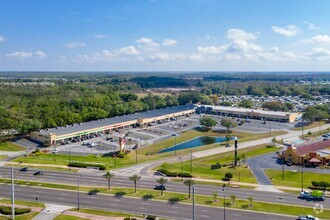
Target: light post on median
[
  {"x": 180, "y": 158},
  {"x": 193, "y": 200},
  {"x": 302, "y": 174},
  {"x": 224, "y": 203},
  {"x": 175, "y": 144}
]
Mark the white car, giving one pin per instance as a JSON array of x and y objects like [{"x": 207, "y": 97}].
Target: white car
[{"x": 307, "y": 217}]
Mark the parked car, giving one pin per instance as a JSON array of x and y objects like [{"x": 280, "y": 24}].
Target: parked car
[
  {"x": 307, "y": 217},
  {"x": 159, "y": 173},
  {"x": 38, "y": 173},
  {"x": 24, "y": 169},
  {"x": 160, "y": 187}
]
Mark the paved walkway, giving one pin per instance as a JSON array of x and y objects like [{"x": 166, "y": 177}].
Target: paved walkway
[
  {"x": 93, "y": 217},
  {"x": 51, "y": 211}
]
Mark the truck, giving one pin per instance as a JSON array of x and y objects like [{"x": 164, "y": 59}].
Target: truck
[{"x": 314, "y": 195}]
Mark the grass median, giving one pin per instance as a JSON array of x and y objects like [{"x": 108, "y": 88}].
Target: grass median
[
  {"x": 172, "y": 198},
  {"x": 292, "y": 178},
  {"x": 209, "y": 167},
  {"x": 144, "y": 154},
  {"x": 10, "y": 146}
]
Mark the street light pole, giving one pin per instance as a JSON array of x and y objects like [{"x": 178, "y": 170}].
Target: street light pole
[
  {"x": 175, "y": 145},
  {"x": 235, "y": 151},
  {"x": 193, "y": 200},
  {"x": 302, "y": 174},
  {"x": 78, "y": 202},
  {"x": 12, "y": 194},
  {"x": 191, "y": 161},
  {"x": 282, "y": 169},
  {"x": 180, "y": 158},
  {"x": 224, "y": 203}
]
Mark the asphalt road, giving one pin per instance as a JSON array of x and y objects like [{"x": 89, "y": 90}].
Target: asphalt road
[
  {"x": 94, "y": 180},
  {"x": 107, "y": 202}
]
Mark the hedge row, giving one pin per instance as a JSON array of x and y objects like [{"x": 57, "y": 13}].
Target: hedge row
[
  {"x": 85, "y": 165},
  {"x": 6, "y": 210},
  {"x": 321, "y": 184},
  {"x": 174, "y": 174}
]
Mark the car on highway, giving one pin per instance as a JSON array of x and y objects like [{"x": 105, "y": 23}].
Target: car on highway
[
  {"x": 160, "y": 187},
  {"x": 24, "y": 169},
  {"x": 307, "y": 217},
  {"x": 38, "y": 173}
]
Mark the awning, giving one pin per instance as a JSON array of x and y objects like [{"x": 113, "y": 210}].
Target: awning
[{"x": 314, "y": 160}]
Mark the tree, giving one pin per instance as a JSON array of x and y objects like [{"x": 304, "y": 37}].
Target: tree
[
  {"x": 108, "y": 176},
  {"x": 233, "y": 198},
  {"x": 162, "y": 181},
  {"x": 250, "y": 198},
  {"x": 207, "y": 121},
  {"x": 229, "y": 176},
  {"x": 227, "y": 123},
  {"x": 215, "y": 196},
  {"x": 135, "y": 178},
  {"x": 189, "y": 183},
  {"x": 246, "y": 103},
  {"x": 226, "y": 103},
  {"x": 274, "y": 140},
  {"x": 313, "y": 114}
]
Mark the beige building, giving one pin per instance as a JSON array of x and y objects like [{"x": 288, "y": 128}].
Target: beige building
[
  {"x": 248, "y": 113},
  {"x": 61, "y": 134}
]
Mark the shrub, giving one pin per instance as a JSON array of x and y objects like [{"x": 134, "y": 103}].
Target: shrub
[
  {"x": 6, "y": 210},
  {"x": 85, "y": 165},
  {"x": 186, "y": 175},
  {"x": 168, "y": 173}
]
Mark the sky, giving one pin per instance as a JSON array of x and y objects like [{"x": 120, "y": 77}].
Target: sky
[{"x": 164, "y": 35}]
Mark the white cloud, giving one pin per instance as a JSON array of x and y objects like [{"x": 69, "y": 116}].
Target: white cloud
[
  {"x": 100, "y": 36},
  {"x": 237, "y": 34},
  {"x": 318, "y": 39},
  {"x": 311, "y": 26},
  {"x": 232, "y": 57},
  {"x": 147, "y": 44},
  {"x": 75, "y": 44},
  {"x": 274, "y": 49},
  {"x": 26, "y": 55},
  {"x": 288, "y": 31},
  {"x": 319, "y": 52},
  {"x": 209, "y": 50},
  {"x": 169, "y": 42},
  {"x": 129, "y": 50},
  {"x": 2, "y": 39},
  {"x": 242, "y": 45},
  {"x": 289, "y": 55}
]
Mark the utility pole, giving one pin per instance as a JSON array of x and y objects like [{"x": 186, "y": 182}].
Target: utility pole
[
  {"x": 235, "y": 151},
  {"x": 175, "y": 145},
  {"x": 136, "y": 156},
  {"x": 180, "y": 158},
  {"x": 12, "y": 194},
  {"x": 302, "y": 132},
  {"x": 193, "y": 200},
  {"x": 282, "y": 168},
  {"x": 270, "y": 129}
]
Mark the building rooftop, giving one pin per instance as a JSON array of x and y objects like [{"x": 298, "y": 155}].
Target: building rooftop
[
  {"x": 248, "y": 110},
  {"x": 318, "y": 146},
  {"x": 115, "y": 120}
]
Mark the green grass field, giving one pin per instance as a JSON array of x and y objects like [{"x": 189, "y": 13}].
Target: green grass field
[
  {"x": 105, "y": 213},
  {"x": 202, "y": 166},
  {"x": 2, "y": 157},
  {"x": 10, "y": 146},
  {"x": 145, "y": 153},
  {"x": 293, "y": 178},
  {"x": 68, "y": 217}
]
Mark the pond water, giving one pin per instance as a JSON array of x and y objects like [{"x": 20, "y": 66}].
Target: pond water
[{"x": 196, "y": 142}]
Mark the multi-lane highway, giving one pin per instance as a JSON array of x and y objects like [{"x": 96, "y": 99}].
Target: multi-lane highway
[
  {"x": 108, "y": 202},
  {"x": 95, "y": 180}
]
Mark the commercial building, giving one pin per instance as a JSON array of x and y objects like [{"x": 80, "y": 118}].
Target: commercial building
[
  {"x": 61, "y": 134},
  {"x": 247, "y": 113},
  {"x": 312, "y": 154}
]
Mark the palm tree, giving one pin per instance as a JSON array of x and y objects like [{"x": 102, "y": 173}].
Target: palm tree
[
  {"x": 189, "y": 183},
  {"x": 250, "y": 198},
  {"x": 135, "y": 178},
  {"x": 215, "y": 196},
  {"x": 243, "y": 156},
  {"x": 108, "y": 176},
  {"x": 233, "y": 198},
  {"x": 162, "y": 181},
  {"x": 274, "y": 140},
  {"x": 229, "y": 176}
]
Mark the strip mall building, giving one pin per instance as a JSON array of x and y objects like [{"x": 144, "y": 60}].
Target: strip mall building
[{"x": 60, "y": 134}]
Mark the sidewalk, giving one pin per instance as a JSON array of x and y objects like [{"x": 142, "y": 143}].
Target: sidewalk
[
  {"x": 93, "y": 217},
  {"x": 51, "y": 211}
]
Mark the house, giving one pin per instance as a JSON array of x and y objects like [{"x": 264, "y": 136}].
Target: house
[{"x": 312, "y": 154}]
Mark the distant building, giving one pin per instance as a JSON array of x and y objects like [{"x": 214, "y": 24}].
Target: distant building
[
  {"x": 313, "y": 154},
  {"x": 61, "y": 134},
  {"x": 248, "y": 113}
]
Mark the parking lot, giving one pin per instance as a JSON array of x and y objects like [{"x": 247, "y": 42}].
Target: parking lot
[{"x": 107, "y": 143}]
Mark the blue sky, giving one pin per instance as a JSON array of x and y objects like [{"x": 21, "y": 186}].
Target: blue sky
[{"x": 157, "y": 35}]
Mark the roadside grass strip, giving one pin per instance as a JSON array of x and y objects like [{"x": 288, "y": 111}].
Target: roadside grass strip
[{"x": 172, "y": 197}]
